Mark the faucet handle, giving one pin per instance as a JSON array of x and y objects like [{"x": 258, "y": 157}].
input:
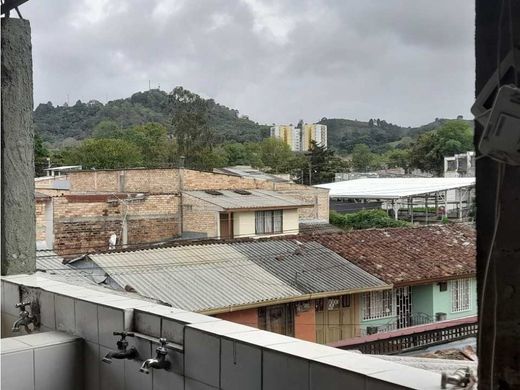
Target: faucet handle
[
  {"x": 163, "y": 341},
  {"x": 21, "y": 305},
  {"x": 124, "y": 334}
]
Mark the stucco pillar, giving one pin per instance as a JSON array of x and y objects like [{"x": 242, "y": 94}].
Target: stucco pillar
[{"x": 18, "y": 236}]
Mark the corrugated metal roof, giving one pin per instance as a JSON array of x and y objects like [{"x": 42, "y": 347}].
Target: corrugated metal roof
[
  {"x": 228, "y": 200},
  {"x": 394, "y": 188},
  {"x": 49, "y": 260},
  {"x": 217, "y": 276},
  {"x": 250, "y": 172}
]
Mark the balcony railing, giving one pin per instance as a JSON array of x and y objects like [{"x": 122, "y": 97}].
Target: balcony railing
[{"x": 412, "y": 338}]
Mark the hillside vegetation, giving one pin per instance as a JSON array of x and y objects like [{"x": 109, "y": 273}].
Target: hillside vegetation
[{"x": 63, "y": 125}]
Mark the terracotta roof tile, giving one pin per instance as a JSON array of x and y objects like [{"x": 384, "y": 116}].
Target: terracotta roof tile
[{"x": 407, "y": 255}]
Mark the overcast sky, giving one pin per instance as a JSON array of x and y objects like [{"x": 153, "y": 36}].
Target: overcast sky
[{"x": 406, "y": 61}]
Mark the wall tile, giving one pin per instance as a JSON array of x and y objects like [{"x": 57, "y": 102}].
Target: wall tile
[
  {"x": 202, "y": 356},
  {"x": 17, "y": 369},
  {"x": 110, "y": 320},
  {"x": 284, "y": 372},
  {"x": 323, "y": 377},
  {"x": 59, "y": 367},
  {"x": 64, "y": 308},
  {"x": 47, "y": 313},
  {"x": 134, "y": 379},
  {"x": 148, "y": 324},
  {"x": 86, "y": 315},
  {"x": 92, "y": 361},
  {"x": 191, "y": 384},
  {"x": 167, "y": 380},
  {"x": 172, "y": 330},
  {"x": 111, "y": 376},
  {"x": 241, "y": 366},
  {"x": 10, "y": 297}
]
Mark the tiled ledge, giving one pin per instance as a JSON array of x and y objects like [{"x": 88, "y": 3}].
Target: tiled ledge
[{"x": 217, "y": 353}]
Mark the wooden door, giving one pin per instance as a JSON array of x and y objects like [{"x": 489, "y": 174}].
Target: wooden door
[{"x": 226, "y": 225}]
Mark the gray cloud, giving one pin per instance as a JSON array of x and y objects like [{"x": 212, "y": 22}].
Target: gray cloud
[{"x": 405, "y": 61}]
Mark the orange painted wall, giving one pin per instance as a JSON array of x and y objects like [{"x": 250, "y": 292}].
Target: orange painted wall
[
  {"x": 305, "y": 324},
  {"x": 247, "y": 317}
]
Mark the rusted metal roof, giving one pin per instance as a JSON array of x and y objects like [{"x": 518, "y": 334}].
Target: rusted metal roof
[{"x": 407, "y": 255}]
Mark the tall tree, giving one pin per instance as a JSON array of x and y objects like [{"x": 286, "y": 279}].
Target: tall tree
[
  {"x": 429, "y": 150},
  {"x": 363, "y": 159},
  {"x": 103, "y": 154},
  {"x": 190, "y": 125}
]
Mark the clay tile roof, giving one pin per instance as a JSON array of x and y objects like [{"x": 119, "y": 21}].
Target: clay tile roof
[{"x": 408, "y": 255}]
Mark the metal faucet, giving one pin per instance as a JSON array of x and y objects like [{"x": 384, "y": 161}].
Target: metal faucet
[
  {"x": 160, "y": 361},
  {"x": 122, "y": 352},
  {"x": 25, "y": 319}
]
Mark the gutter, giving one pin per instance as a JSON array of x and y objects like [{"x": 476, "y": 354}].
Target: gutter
[{"x": 298, "y": 298}]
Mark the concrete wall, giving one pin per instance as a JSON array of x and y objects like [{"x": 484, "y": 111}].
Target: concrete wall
[
  {"x": 244, "y": 224},
  {"x": 442, "y": 301},
  {"x": 18, "y": 236},
  {"x": 205, "y": 352}
]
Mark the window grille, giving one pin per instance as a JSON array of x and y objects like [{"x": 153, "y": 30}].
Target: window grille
[
  {"x": 378, "y": 304},
  {"x": 333, "y": 304},
  {"x": 268, "y": 222},
  {"x": 460, "y": 295}
]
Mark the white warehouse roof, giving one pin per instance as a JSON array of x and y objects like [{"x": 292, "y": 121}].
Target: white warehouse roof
[{"x": 394, "y": 188}]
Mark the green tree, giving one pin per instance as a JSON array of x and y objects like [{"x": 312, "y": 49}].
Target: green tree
[
  {"x": 321, "y": 165},
  {"x": 236, "y": 154},
  {"x": 190, "y": 125},
  {"x": 41, "y": 153},
  {"x": 276, "y": 155},
  {"x": 107, "y": 129},
  {"x": 429, "y": 150},
  {"x": 363, "y": 159},
  {"x": 152, "y": 141},
  {"x": 398, "y": 158},
  {"x": 103, "y": 154}
]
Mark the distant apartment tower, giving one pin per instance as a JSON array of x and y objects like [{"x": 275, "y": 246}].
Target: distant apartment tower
[
  {"x": 299, "y": 139},
  {"x": 288, "y": 134},
  {"x": 460, "y": 165},
  {"x": 313, "y": 132}
]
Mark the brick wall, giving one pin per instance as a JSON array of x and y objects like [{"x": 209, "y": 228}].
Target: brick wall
[
  {"x": 168, "y": 180},
  {"x": 40, "y": 220},
  {"x": 199, "y": 217},
  {"x": 247, "y": 317},
  {"x": 84, "y": 223}
]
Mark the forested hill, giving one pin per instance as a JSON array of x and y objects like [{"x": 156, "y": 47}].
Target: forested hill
[
  {"x": 378, "y": 135},
  {"x": 60, "y": 125}
]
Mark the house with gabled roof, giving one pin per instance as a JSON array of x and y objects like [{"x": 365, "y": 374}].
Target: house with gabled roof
[{"x": 432, "y": 269}]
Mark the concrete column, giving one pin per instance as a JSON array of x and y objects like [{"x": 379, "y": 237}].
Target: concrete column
[
  {"x": 499, "y": 344},
  {"x": 18, "y": 235}
]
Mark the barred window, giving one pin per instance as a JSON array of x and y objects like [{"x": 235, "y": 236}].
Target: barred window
[
  {"x": 460, "y": 295},
  {"x": 378, "y": 304},
  {"x": 268, "y": 222}
]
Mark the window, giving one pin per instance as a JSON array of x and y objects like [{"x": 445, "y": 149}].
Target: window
[
  {"x": 268, "y": 222},
  {"x": 460, "y": 295},
  {"x": 345, "y": 301},
  {"x": 278, "y": 319},
  {"x": 318, "y": 304},
  {"x": 378, "y": 304}
]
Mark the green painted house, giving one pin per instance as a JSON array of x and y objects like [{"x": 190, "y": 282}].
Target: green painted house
[{"x": 431, "y": 268}]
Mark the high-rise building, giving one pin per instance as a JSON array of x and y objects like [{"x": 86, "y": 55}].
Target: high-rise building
[
  {"x": 288, "y": 134},
  {"x": 313, "y": 132},
  {"x": 299, "y": 138}
]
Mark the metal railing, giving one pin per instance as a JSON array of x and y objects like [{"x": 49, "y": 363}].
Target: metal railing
[{"x": 417, "y": 337}]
